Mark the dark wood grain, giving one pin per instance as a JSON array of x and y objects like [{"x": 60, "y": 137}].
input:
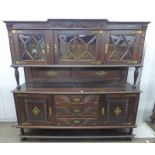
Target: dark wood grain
[{"x": 76, "y": 77}]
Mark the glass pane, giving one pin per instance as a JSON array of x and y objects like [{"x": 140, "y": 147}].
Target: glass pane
[
  {"x": 77, "y": 47},
  {"x": 32, "y": 47},
  {"x": 121, "y": 47}
]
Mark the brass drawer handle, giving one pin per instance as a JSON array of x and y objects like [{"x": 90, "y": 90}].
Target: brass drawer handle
[
  {"x": 77, "y": 100},
  {"x": 100, "y": 73},
  {"x": 76, "y": 121},
  {"x": 76, "y": 110},
  {"x": 102, "y": 110}
]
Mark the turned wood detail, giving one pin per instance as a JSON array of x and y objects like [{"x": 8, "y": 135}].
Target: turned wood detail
[
  {"x": 17, "y": 77},
  {"x": 136, "y": 73},
  {"x": 153, "y": 115}
]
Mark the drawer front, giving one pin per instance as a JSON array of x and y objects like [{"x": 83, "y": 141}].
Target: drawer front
[
  {"x": 76, "y": 121},
  {"x": 76, "y": 99},
  {"x": 76, "y": 111}
]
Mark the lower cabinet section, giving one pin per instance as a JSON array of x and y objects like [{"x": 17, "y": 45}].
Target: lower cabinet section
[{"x": 76, "y": 110}]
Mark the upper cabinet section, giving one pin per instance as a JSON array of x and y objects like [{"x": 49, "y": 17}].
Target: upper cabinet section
[
  {"x": 30, "y": 47},
  {"x": 124, "y": 47},
  {"x": 78, "y": 46},
  {"x": 76, "y": 42}
]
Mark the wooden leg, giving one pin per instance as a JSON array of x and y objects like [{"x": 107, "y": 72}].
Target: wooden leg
[
  {"x": 17, "y": 77},
  {"x": 136, "y": 73},
  {"x": 130, "y": 131},
  {"x": 22, "y": 131}
]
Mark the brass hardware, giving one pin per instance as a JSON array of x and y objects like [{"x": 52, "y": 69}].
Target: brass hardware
[
  {"x": 76, "y": 100},
  {"x": 52, "y": 73},
  {"x": 134, "y": 61},
  {"x": 22, "y": 95},
  {"x": 47, "y": 47},
  {"x": 13, "y": 31},
  {"x": 76, "y": 110},
  {"x": 20, "y": 62},
  {"x": 102, "y": 110},
  {"x": 138, "y": 32},
  {"x": 26, "y": 123},
  {"x": 106, "y": 48},
  {"x": 96, "y": 62},
  {"x": 50, "y": 111},
  {"x": 55, "y": 47},
  {"x": 100, "y": 73},
  {"x": 76, "y": 121},
  {"x": 97, "y": 32},
  {"x": 35, "y": 111},
  {"x": 117, "y": 111}
]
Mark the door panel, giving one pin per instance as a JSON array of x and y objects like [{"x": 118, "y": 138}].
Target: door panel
[
  {"x": 34, "y": 110},
  {"x": 78, "y": 46},
  {"x": 32, "y": 47},
  {"x": 121, "y": 109},
  {"x": 122, "y": 47}
]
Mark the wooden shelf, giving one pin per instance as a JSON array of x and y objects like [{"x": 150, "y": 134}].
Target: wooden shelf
[
  {"x": 86, "y": 134},
  {"x": 70, "y": 88},
  {"x": 83, "y": 66}
]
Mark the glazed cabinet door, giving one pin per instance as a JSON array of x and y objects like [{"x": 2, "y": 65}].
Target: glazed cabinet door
[
  {"x": 121, "y": 109},
  {"x": 123, "y": 47},
  {"x": 33, "y": 109},
  {"x": 78, "y": 46},
  {"x": 31, "y": 47}
]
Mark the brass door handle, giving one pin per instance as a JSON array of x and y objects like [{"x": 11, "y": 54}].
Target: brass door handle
[
  {"x": 55, "y": 48},
  {"x": 102, "y": 110},
  {"x": 47, "y": 48},
  {"x": 50, "y": 111},
  {"x": 106, "y": 48}
]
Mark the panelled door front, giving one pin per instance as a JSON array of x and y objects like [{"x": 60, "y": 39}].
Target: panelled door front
[
  {"x": 35, "y": 110},
  {"x": 32, "y": 47},
  {"x": 78, "y": 46},
  {"x": 123, "y": 47},
  {"x": 121, "y": 109}
]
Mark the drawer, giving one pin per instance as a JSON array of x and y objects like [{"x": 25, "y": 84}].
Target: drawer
[
  {"x": 76, "y": 121},
  {"x": 76, "y": 99},
  {"x": 76, "y": 110}
]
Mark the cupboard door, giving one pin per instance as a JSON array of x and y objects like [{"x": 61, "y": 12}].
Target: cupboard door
[
  {"x": 32, "y": 47},
  {"x": 78, "y": 47},
  {"x": 123, "y": 47},
  {"x": 34, "y": 110},
  {"x": 121, "y": 109}
]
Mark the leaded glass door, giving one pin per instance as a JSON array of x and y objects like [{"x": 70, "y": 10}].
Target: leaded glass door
[
  {"x": 78, "y": 47},
  {"x": 32, "y": 47},
  {"x": 122, "y": 47}
]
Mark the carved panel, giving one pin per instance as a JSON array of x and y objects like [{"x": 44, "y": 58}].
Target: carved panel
[
  {"x": 118, "y": 110},
  {"x": 77, "y": 99},
  {"x": 76, "y": 110},
  {"x": 76, "y": 121}
]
